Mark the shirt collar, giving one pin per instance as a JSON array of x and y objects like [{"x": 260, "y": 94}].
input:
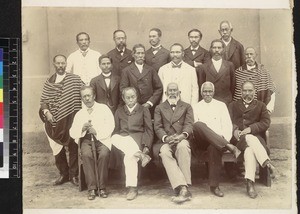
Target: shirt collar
[
  {"x": 131, "y": 109},
  {"x": 123, "y": 50},
  {"x": 196, "y": 48},
  {"x": 155, "y": 47},
  {"x": 106, "y": 75},
  {"x": 226, "y": 43},
  {"x": 250, "y": 67},
  {"x": 216, "y": 61},
  {"x": 87, "y": 50},
  {"x": 179, "y": 64}
]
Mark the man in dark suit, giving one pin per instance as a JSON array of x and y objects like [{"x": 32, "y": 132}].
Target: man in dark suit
[
  {"x": 133, "y": 136},
  {"x": 234, "y": 50},
  {"x": 106, "y": 85},
  {"x": 218, "y": 71},
  {"x": 144, "y": 78},
  {"x": 250, "y": 120},
  {"x": 173, "y": 124},
  {"x": 157, "y": 55},
  {"x": 121, "y": 56},
  {"x": 195, "y": 55}
]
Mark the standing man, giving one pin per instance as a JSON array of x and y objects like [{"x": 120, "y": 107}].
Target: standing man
[
  {"x": 106, "y": 85},
  {"x": 143, "y": 78},
  {"x": 84, "y": 61},
  {"x": 251, "y": 120},
  {"x": 212, "y": 131},
  {"x": 157, "y": 55},
  {"x": 133, "y": 136},
  {"x": 259, "y": 76},
  {"x": 218, "y": 71},
  {"x": 173, "y": 124},
  {"x": 195, "y": 55},
  {"x": 234, "y": 50},
  {"x": 181, "y": 73},
  {"x": 60, "y": 101},
  {"x": 93, "y": 126},
  {"x": 121, "y": 56}
]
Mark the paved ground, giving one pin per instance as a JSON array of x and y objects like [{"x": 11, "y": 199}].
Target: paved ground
[{"x": 39, "y": 173}]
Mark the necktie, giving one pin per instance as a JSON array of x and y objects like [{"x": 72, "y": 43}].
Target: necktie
[
  {"x": 176, "y": 66},
  {"x": 106, "y": 77},
  {"x": 155, "y": 49}
]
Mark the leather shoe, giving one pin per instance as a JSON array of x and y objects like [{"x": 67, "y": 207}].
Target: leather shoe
[
  {"x": 145, "y": 159},
  {"x": 74, "y": 181},
  {"x": 62, "y": 179},
  {"x": 132, "y": 193},
  {"x": 103, "y": 193},
  {"x": 92, "y": 194},
  {"x": 184, "y": 195},
  {"x": 234, "y": 150},
  {"x": 250, "y": 189},
  {"x": 216, "y": 191}
]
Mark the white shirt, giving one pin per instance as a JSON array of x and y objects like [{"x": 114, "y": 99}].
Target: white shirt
[
  {"x": 217, "y": 64},
  {"x": 131, "y": 109},
  {"x": 87, "y": 67},
  {"x": 140, "y": 67},
  {"x": 107, "y": 80},
  {"x": 226, "y": 43},
  {"x": 102, "y": 120},
  {"x": 59, "y": 77},
  {"x": 250, "y": 67},
  {"x": 157, "y": 49},
  {"x": 194, "y": 49},
  {"x": 215, "y": 115}
]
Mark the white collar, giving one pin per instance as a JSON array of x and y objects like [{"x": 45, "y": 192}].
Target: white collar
[
  {"x": 106, "y": 75},
  {"x": 158, "y": 46},
  {"x": 131, "y": 109},
  {"x": 87, "y": 50},
  {"x": 226, "y": 43},
  {"x": 250, "y": 67},
  {"x": 195, "y": 48}
]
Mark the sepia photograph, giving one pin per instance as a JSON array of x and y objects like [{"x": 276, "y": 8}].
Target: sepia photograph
[{"x": 158, "y": 108}]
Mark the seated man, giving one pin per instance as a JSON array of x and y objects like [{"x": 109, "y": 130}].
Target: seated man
[
  {"x": 93, "y": 125},
  {"x": 173, "y": 123},
  {"x": 212, "y": 131},
  {"x": 250, "y": 122},
  {"x": 133, "y": 134}
]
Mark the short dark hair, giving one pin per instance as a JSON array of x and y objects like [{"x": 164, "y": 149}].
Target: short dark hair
[
  {"x": 137, "y": 46},
  {"x": 87, "y": 87},
  {"x": 127, "y": 89},
  {"x": 217, "y": 40},
  {"x": 195, "y": 30},
  {"x": 54, "y": 58},
  {"x": 104, "y": 56},
  {"x": 159, "y": 33},
  {"x": 177, "y": 44},
  {"x": 82, "y": 33},
  {"x": 116, "y": 31}
]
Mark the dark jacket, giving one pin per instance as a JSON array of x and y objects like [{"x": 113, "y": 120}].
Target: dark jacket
[
  {"x": 120, "y": 62},
  {"x": 161, "y": 58}
]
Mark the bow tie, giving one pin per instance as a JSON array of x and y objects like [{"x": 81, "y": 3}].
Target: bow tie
[
  {"x": 194, "y": 50},
  {"x": 155, "y": 49},
  {"x": 176, "y": 66},
  {"x": 106, "y": 77},
  {"x": 120, "y": 51},
  {"x": 173, "y": 106},
  {"x": 90, "y": 110}
]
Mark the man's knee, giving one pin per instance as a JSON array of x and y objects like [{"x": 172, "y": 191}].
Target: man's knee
[
  {"x": 165, "y": 151},
  {"x": 199, "y": 126},
  {"x": 183, "y": 146}
]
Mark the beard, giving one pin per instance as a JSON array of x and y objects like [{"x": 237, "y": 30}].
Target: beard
[
  {"x": 121, "y": 46},
  {"x": 173, "y": 99},
  {"x": 248, "y": 99}
]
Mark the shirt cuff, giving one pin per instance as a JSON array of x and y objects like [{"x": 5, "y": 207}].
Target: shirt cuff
[
  {"x": 186, "y": 134},
  {"x": 45, "y": 111},
  {"x": 150, "y": 103},
  {"x": 163, "y": 138}
]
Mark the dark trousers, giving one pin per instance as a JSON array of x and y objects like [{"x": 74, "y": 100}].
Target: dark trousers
[
  {"x": 61, "y": 162},
  {"x": 102, "y": 153},
  {"x": 207, "y": 139}
]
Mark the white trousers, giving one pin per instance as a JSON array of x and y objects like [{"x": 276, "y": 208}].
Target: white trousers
[
  {"x": 255, "y": 152},
  {"x": 179, "y": 169},
  {"x": 129, "y": 147}
]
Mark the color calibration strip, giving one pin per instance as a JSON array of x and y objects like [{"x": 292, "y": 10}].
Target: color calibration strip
[
  {"x": 1, "y": 107},
  {"x": 9, "y": 96}
]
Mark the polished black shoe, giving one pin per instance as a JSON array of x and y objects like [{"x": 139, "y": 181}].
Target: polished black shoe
[
  {"x": 216, "y": 191},
  {"x": 75, "y": 181},
  {"x": 103, "y": 193},
  {"x": 62, "y": 179},
  {"x": 250, "y": 189},
  {"x": 92, "y": 194}
]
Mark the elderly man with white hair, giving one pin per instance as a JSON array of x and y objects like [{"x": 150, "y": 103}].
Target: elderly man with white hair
[{"x": 212, "y": 131}]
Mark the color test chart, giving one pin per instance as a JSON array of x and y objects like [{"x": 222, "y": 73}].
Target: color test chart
[{"x": 10, "y": 108}]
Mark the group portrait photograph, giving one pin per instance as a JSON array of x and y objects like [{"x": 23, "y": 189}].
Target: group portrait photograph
[{"x": 158, "y": 108}]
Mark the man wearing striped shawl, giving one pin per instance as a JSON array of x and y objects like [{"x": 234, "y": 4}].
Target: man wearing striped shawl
[
  {"x": 60, "y": 101},
  {"x": 259, "y": 76}
]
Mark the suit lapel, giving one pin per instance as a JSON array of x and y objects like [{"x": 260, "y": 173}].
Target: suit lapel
[
  {"x": 232, "y": 47},
  {"x": 177, "y": 112},
  {"x": 101, "y": 82},
  {"x": 167, "y": 110},
  {"x": 125, "y": 55},
  {"x": 212, "y": 69},
  {"x": 113, "y": 82},
  {"x": 145, "y": 71},
  {"x": 135, "y": 71}
]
